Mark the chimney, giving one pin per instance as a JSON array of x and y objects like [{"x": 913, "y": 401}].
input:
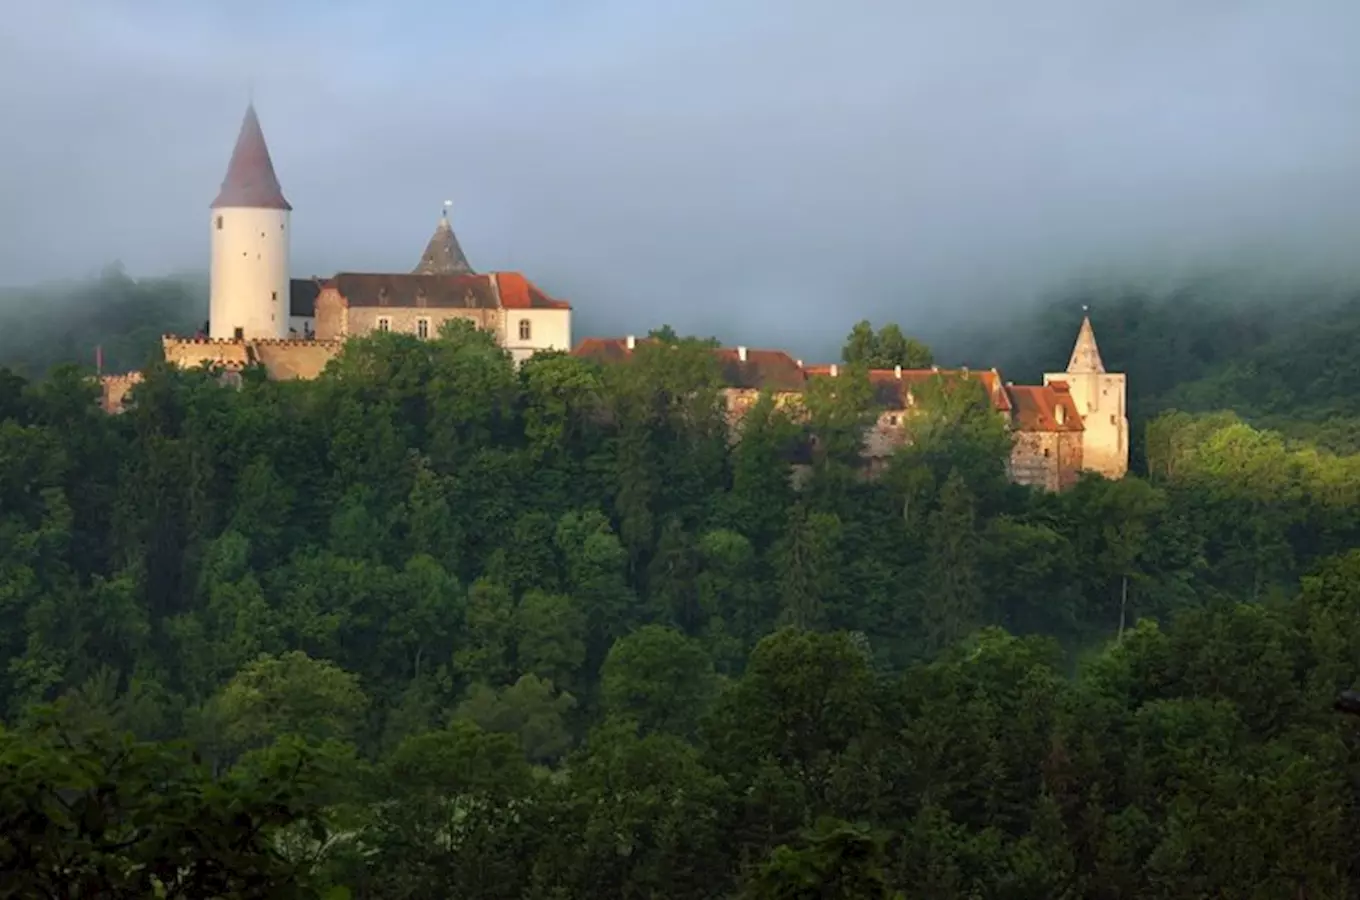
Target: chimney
[
  {"x": 934, "y": 368},
  {"x": 897, "y": 370},
  {"x": 965, "y": 371},
  {"x": 800, "y": 363},
  {"x": 630, "y": 342},
  {"x": 835, "y": 370},
  {"x": 741, "y": 354}
]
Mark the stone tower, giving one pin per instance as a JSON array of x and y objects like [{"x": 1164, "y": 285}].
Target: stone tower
[
  {"x": 443, "y": 255},
  {"x": 250, "y": 235},
  {"x": 1100, "y": 397}
]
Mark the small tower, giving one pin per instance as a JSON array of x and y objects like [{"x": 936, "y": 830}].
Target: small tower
[
  {"x": 248, "y": 294},
  {"x": 1100, "y": 397},
  {"x": 443, "y": 255}
]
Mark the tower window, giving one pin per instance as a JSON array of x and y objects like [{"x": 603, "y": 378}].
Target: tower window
[
  {"x": 219, "y": 223},
  {"x": 422, "y": 328},
  {"x": 274, "y": 295},
  {"x": 384, "y": 323},
  {"x": 238, "y": 333},
  {"x": 525, "y": 329}
]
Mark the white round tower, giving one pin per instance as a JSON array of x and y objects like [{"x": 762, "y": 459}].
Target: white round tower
[{"x": 248, "y": 291}]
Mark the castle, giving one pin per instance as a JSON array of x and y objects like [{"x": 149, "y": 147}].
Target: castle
[{"x": 260, "y": 315}]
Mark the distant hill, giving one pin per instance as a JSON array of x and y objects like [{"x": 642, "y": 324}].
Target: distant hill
[
  {"x": 48, "y": 325},
  {"x": 1287, "y": 360}
]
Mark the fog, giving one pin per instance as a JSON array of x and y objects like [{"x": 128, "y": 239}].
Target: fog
[{"x": 769, "y": 170}]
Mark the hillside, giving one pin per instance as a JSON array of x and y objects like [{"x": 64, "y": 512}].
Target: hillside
[
  {"x": 1281, "y": 359},
  {"x": 432, "y": 625}
]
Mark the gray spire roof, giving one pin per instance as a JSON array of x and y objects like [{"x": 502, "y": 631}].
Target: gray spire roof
[
  {"x": 443, "y": 255},
  {"x": 1085, "y": 355}
]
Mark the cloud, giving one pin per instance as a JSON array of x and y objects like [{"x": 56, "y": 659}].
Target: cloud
[{"x": 768, "y": 169}]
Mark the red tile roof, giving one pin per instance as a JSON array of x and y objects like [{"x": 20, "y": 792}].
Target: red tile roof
[
  {"x": 772, "y": 370},
  {"x": 891, "y": 385},
  {"x": 518, "y": 292},
  {"x": 1037, "y": 407},
  {"x": 251, "y": 182}
]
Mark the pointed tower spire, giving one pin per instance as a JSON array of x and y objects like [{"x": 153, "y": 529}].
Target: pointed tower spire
[
  {"x": 443, "y": 255},
  {"x": 1085, "y": 355},
  {"x": 251, "y": 182}
]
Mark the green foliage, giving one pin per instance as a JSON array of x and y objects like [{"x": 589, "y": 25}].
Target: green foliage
[
  {"x": 432, "y": 625},
  {"x": 885, "y": 348}
]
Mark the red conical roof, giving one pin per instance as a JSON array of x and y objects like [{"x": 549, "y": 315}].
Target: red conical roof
[{"x": 251, "y": 182}]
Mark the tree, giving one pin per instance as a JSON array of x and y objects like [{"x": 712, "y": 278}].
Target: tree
[
  {"x": 97, "y": 815},
  {"x": 659, "y": 678},
  {"x": 884, "y": 349}
]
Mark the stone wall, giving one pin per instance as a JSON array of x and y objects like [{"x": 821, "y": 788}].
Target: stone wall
[
  {"x": 364, "y": 320},
  {"x": 286, "y": 360},
  {"x": 1046, "y": 459},
  {"x": 283, "y": 359},
  {"x": 332, "y": 315},
  {"x": 114, "y": 390},
  {"x": 190, "y": 353}
]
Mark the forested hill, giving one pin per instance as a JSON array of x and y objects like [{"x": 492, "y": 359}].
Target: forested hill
[
  {"x": 434, "y": 626},
  {"x": 1285, "y": 359},
  {"x": 55, "y": 324}
]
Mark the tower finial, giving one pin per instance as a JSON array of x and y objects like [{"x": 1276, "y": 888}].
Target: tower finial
[{"x": 447, "y": 204}]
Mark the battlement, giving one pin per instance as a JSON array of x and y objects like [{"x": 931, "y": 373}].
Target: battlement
[
  {"x": 201, "y": 340},
  {"x": 113, "y": 390}
]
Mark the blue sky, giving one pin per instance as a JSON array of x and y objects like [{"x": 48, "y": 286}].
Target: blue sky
[{"x": 770, "y": 167}]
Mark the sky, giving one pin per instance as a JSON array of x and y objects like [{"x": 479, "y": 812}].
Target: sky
[{"x": 761, "y": 169}]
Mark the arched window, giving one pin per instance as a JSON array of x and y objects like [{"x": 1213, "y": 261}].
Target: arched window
[{"x": 525, "y": 330}]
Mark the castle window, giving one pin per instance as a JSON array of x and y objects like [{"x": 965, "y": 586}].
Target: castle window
[
  {"x": 219, "y": 223},
  {"x": 238, "y": 333},
  {"x": 384, "y": 323},
  {"x": 1111, "y": 418},
  {"x": 422, "y": 328},
  {"x": 525, "y": 329},
  {"x": 1046, "y": 452},
  {"x": 274, "y": 295}
]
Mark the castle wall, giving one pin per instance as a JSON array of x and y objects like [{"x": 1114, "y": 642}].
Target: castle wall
[
  {"x": 114, "y": 390},
  {"x": 1046, "y": 459},
  {"x": 1100, "y": 397},
  {"x": 248, "y": 285},
  {"x": 190, "y": 353},
  {"x": 287, "y": 360},
  {"x": 282, "y": 359},
  {"x": 548, "y": 329},
  {"x": 332, "y": 315},
  {"x": 362, "y": 320}
]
